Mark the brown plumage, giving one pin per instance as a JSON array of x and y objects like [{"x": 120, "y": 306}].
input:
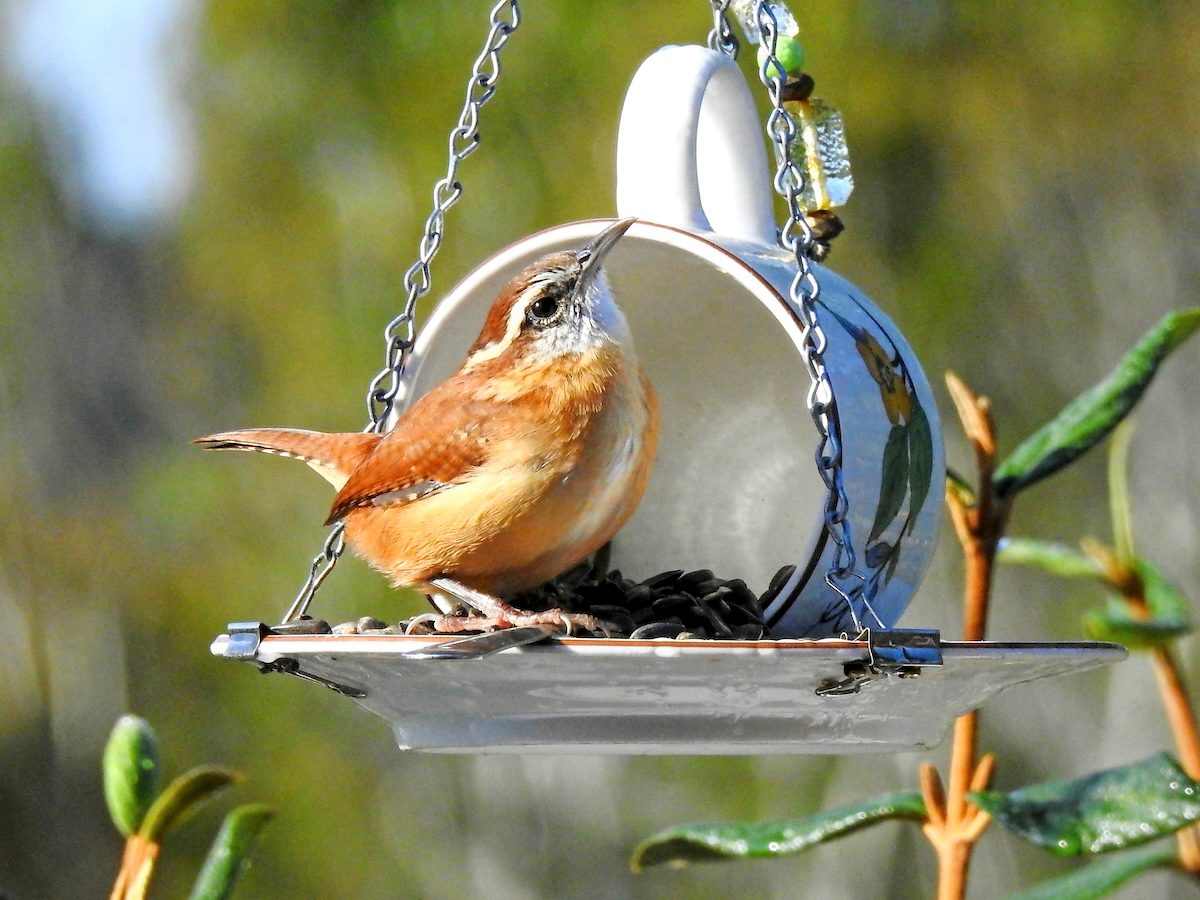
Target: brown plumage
[{"x": 521, "y": 464}]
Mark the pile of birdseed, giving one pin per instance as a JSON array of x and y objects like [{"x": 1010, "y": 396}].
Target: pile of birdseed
[{"x": 675, "y": 604}]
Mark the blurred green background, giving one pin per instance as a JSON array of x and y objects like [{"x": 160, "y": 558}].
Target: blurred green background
[{"x": 206, "y": 211}]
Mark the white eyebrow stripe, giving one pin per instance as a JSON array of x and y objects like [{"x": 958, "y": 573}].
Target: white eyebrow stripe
[{"x": 511, "y": 329}]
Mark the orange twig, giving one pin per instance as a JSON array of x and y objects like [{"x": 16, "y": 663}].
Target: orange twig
[
  {"x": 1177, "y": 705},
  {"x": 955, "y": 826}
]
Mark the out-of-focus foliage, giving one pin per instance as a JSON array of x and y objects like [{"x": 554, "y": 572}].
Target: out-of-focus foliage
[
  {"x": 131, "y": 772},
  {"x": 1098, "y": 878},
  {"x": 1027, "y": 196},
  {"x": 227, "y": 857}
]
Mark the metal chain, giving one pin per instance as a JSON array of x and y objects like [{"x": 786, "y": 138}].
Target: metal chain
[
  {"x": 400, "y": 333},
  {"x": 797, "y": 236},
  {"x": 721, "y": 38}
]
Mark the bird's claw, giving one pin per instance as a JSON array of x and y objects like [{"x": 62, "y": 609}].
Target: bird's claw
[{"x": 568, "y": 622}]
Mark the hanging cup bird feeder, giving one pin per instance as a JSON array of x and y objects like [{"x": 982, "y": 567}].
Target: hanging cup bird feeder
[{"x": 797, "y": 430}]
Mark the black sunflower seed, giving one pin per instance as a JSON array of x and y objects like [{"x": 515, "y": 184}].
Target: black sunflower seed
[
  {"x": 673, "y": 604},
  {"x": 305, "y": 625},
  {"x": 663, "y": 578},
  {"x": 777, "y": 582},
  {"x": 692, "y": 580},
  {"x": 657, "y": 630}
]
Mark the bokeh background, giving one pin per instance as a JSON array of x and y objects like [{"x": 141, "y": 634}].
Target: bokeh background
[{"x": 206, "y": 211}]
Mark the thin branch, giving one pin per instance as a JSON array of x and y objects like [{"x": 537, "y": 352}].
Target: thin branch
[
  {"x": 933, "y": 794},
  {"x": 983, "y": 772},
  {"x": 979, "y": 518}
]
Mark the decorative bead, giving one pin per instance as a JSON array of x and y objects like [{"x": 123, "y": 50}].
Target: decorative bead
[
  {"x": 798, "y": 89},
  {"x": 822, "y": 139},
  {"x": 743, "y": 11},
  {"x": 789, "y": 52}
]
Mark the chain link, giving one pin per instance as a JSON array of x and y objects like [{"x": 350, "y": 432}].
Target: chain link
[
  {"x": 721, "y": 38},
  {"x": 400, "y": 333},
  {"x": 797, "y": 236}
]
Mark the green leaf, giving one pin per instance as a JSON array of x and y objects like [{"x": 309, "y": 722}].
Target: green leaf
[
  {"x": 893, "y": 481},
  {"x": 1100, "y": 812},
  {"x": 716, "y": 842},
  {"x": 1118, "y": 492},
  {"x": 183, "y": 797},
  {"x": 958, "y": 485},
  {"x": 920, "y": 454},
  {"x": 1055, "y": 558},
  {"x": 1093, "y": 414},
  {"x": 1103, "y": 875},
  {"x": 131, "y": 769},
  {"x": 1169, "y": 618},
  {"x": 237, "y": 836}
]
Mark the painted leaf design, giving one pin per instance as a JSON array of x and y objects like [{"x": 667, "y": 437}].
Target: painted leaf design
[
  {"x": 893, "y": 564},
  {"x": 893, "y": 480},
  {"x": 920, "y": 456},
  {"x": 878, "y": 554}
]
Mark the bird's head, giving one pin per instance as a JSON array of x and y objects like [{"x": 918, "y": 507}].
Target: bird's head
[{"x": 560, "y": 305}]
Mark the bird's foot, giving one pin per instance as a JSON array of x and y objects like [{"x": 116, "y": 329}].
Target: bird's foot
[
  {"x": 498, "y": 614},
  {"x": 568, "y": 622}
]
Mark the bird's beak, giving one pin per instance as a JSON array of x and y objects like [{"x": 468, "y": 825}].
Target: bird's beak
[{"x": 591, "y": 256}]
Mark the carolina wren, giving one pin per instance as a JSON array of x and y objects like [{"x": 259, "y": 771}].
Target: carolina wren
[{"x": 517, "y": 467}]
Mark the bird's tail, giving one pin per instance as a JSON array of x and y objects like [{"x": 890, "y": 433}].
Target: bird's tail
[{"x": 333, "y": 456}]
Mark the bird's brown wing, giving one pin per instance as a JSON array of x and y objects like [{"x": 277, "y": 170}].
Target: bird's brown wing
[{"x": 435, "y": 445}]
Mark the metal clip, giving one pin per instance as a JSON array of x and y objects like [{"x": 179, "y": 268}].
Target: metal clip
[
  {"x": 289, "y": 666},
  {"x": 244, "y": 638},
  {"x": 901, "y": 653},
  {"x": 244, "y": 641}
]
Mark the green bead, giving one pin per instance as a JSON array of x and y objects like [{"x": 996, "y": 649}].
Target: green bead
[{"x": 789, "y": 52}]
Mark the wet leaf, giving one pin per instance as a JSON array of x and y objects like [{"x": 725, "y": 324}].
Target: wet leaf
[
  {"x": 1101, "y": 876},
  {"x": 1100, "y": 812},
  {"x": 131, "y": 770},
  {"x": 229, "y": 850},
  {"x": 182, "y": 797},
  {"x": 716, "y": 842},
  {"x": 893, "y": 481},
  {"x": 1055, "y": 558},
  {"x": 1169, "y": 613},
  {"x": 1093, "y": 414},
  {"x": 920, "y": 455},
  {"x": 962, "y": 490}
]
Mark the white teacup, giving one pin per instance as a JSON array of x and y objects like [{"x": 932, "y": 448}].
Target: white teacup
[{"x": 704, "y": 285}]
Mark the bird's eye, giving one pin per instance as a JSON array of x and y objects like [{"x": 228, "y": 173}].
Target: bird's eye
[{"x": 544, "y": 309}]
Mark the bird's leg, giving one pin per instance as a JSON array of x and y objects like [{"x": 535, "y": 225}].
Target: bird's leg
[{"x": 499, "y": 614}]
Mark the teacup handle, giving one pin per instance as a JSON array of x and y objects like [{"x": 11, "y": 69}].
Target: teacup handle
[{"x": 690, "y": 149}]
